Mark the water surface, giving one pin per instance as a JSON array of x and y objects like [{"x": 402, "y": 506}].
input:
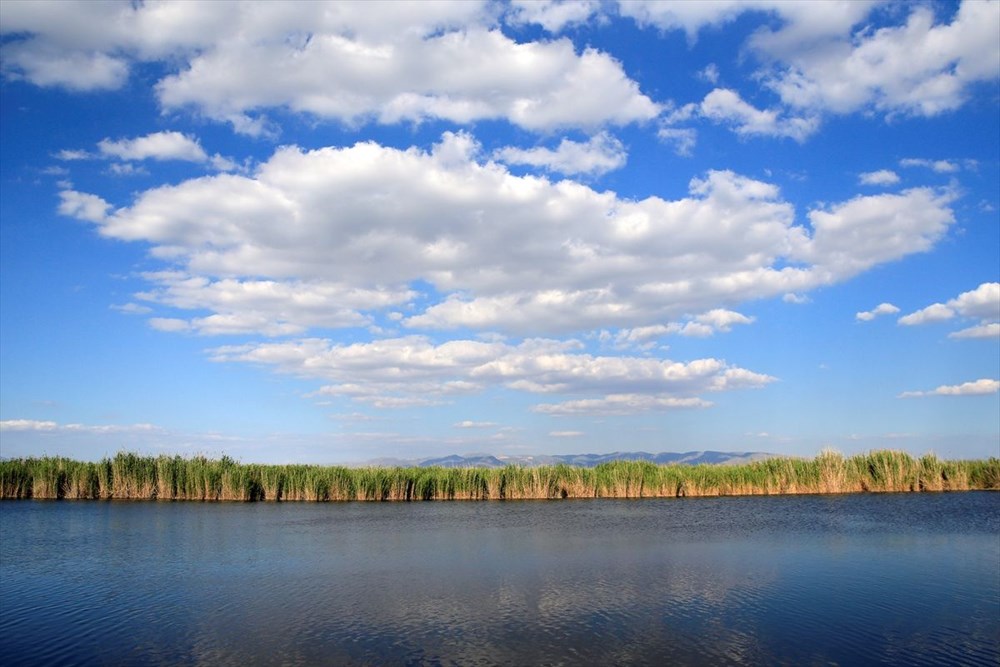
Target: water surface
[{"x": 905, "y": 579}]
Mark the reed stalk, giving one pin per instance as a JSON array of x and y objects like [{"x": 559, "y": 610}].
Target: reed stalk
[{"x": 130, "y": 476}]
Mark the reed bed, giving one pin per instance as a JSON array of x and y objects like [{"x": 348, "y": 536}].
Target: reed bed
[{"x": 130, "y": 476}]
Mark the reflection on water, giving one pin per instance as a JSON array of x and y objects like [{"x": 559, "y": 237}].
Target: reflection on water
[{"x": 898, "y": 579}]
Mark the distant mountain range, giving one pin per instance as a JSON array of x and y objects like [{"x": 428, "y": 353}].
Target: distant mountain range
[{"x": 581, "y": 460}]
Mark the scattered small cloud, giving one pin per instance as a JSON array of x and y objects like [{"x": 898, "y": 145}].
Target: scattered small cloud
[
  {"x": 474, "y": 424},
  {"x": 601, "y": 154},
  {"x": 982, "y": 387},
  {"x": 132, "y": 308},
  {"x": 939, "y": 166},
  {"x": 710, "y": 73},
  {"x": 880, "y": 177},
  {"x": 682, "y": 139},
  {"x": 797, "y": 299},
  {"x": 881, "y": 309},
  {"x": 982, "y": 303},
  {"x": 726, "y": 106},
  {"x": 566, "y": 434}
]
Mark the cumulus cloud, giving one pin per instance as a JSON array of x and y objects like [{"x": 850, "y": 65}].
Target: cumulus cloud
[
  {"x": 155, "y": 146},
  {"x": 700, "y": 326},
  {"x": 989, "y": 330},
  {"x": 322, "y": 238},
  {"x": 83, "y": 206},
  {"x": 267, "y": 307},
  {"x": 415, "y": 371},
  {"x": 553, "y": 15},
  {"x": 982, "y": 387},
  {"x": 982, "y": 303},
  {"x": 880, "y": 177},
  {"x": 726, "y": 106},
  {"x": 881, "y": 309},
  {"x": 867, "y": 230},
  {"x": 601, "y": 154},
  {"x": 335, "y": 60},
  {"x": 919, "y": 68}
]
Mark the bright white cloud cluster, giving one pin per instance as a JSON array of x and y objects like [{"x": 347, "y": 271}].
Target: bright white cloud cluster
[
  {"x": 920, "y": 68},
  {"x": 982, "y": 387},
  {"x": 413, "y": 371},
  {"x": 982, "y": 303},
  {"x": 336, "y": 60},
  {"x": 314, "y": 238}
]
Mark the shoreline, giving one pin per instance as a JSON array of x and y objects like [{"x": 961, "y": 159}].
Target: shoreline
[{"x": 132, "y": 477}]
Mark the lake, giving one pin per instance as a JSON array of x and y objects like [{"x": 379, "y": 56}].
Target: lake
[{"x": 901, "y": 579}]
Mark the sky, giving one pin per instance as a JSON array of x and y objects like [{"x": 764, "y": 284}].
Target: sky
[{"x": 334, "y": 232}]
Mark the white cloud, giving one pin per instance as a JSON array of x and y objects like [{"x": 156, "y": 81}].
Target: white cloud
[
  {"x": 320, "y": 239},
  {"x": 127, "y": 169},
  {"x": 869, "y": 230},
  {"x": 132, "y": 309},
  {"x": 171, "y": 324},
  {"x": 601, "y": 154},
  {"x": 683, "y": 139},
  {"x": 412, "y": 370},
  {"x": 918, "y": 68},
  {"x": 268, "y": 307},
  {"x": 27, "y": 425},
  {"x": 880, "y": 177},
  {"x": 566, "y": 434},
  {"x": 982, "y": 387},
  {"x": 936, "y": 312},
  {"x": 155, "y": 146},
  {"x": 940, "y": 166},
  {"x": 726, "y": 106},
  {"x": 553, "y": 15},
  {"x": 336, "y": 60},
  {"x": 474, "y": 424},
  {"x": 45, "y": 66},
  {"x": 881, "y": 309},
  {"x": 619, "y": 405},
  {"x": 982, "y": 303},
  {"x": 70, "y": 155},
  {"x": 83, "y": 206},
  {"x": 989, "y": 330},
  {"x": 36, "y": 425},
  {"x": 687, "y": 16}
]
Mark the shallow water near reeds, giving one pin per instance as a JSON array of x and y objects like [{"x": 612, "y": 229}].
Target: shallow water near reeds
[{"x": 902, "y": 579}]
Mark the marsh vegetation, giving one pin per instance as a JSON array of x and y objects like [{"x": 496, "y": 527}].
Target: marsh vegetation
[{"x": 130, "y": 476}]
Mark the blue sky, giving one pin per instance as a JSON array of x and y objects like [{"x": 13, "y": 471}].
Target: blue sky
[{"x": 333, "y": 232}]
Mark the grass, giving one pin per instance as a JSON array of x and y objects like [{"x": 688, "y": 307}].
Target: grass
[{"x": 130, "y": 476}]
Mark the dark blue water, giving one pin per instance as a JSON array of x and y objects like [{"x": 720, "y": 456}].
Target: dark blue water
[{"x": 862, "y": 579}]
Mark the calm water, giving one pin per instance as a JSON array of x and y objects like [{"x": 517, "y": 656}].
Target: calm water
[{"x": 863, "y": 579}]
